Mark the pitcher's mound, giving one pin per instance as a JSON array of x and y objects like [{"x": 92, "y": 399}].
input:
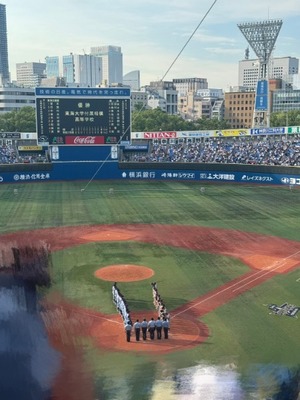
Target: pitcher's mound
[{"x": 124, "y": 273}]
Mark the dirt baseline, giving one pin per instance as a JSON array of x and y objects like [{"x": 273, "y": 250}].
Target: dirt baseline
[{"x": 264, "y": 255}]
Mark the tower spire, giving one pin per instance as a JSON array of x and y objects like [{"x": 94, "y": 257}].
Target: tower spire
[{"x": 261, "y": 36}]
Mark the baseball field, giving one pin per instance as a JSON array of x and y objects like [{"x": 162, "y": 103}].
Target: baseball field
[{"x": 221, "y": 256}]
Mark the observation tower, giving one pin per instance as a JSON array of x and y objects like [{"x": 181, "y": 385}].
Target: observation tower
[{"x": 261, "y": 36}]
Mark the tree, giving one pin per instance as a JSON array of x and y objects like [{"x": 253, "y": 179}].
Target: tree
[
  {"x": 22, "y": 120},
  {"x": 285, "y": 118},
  {"x": 211, "y": 124},
  {"x": 26, "y": 119},
  {"x": 139, "y": 106},
  {"x": 158, "y": 120}
]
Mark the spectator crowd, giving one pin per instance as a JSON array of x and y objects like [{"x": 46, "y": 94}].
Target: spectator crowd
[
  {"x": 272, "y": 150},
  {"x": 269, "y": 150},
  {"x": 10, "y": 155}
]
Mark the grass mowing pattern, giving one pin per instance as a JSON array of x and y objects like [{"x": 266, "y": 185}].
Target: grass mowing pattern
[
  {"x": 184, "y": 274},
  {"x": 242, "y": 331},
  {"x": 267, "y": 210},
  {"x": 259, "y": 337}
]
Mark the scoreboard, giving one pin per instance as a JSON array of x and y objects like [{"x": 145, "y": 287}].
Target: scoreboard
[{"x": 82, "y": 116}]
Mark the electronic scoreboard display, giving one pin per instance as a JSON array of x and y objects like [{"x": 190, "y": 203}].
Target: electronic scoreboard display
[{"x": 82, "y": 116}]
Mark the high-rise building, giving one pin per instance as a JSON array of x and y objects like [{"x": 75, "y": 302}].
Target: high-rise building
[
  {"x": 54, "y": 81},
  {"x": 211, "y": 93},
  {"x": 68, "y": 68},
  {"x": 163, "y": 94},
  {"x": 4, "y": 70},
  {"x": 213, "y": 103},
  {"x": 13, "y": 98},
  {"x": 239, "y": 108},
  {"x": 82, "y": 69},
  {"x": 139, "y": 99},
  {"x": 88, "y": 70},
  {"x": 190, "y": 106},
  {"x": 112, "y": 64},
  {"x": 52, "y": 66},
  {"x": 296, "y": 82},
  {"x": 133, "y": 80},
  {"x": 206, "y": 103},
  {"x": 278, "y": 67},
  {"x": 30, "y": 74},
  {"x": 284, "y": 100},
  {"x": 185, "y": 85}
]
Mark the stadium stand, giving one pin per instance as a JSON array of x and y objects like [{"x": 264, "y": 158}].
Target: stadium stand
[
  {"x": 273, "y": 150},
  {"x": 10, "y": 155}
]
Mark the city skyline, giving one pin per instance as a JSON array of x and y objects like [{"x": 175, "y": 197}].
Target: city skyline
[{"x": 151, "y": 35}]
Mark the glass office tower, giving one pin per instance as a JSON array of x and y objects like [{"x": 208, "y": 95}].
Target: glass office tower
[{"x": 4, "y": 70}]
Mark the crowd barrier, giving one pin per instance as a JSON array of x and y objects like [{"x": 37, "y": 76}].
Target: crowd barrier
[{"x": 99, "y": 164}]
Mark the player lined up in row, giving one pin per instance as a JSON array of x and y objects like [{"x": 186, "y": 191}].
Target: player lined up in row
[
  {"x": 121, "y": 304},
  {"x": 159, "y": 303},
  {"x": 160, "y": 324},
  {"x": 150, "y": 327}
]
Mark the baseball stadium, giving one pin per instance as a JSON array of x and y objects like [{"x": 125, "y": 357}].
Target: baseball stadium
[{"x": 220, "y": 240}]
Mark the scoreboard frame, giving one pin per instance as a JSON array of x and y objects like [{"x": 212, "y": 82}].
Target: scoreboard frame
[{"x": 79, "y": 116}]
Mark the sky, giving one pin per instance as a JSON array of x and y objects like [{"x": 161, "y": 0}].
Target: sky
[{"x": 151, "y": 33}]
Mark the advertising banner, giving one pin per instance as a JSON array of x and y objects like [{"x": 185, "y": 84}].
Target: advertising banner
[
  {"x": 294, "y": 129},
  {"x": 84, "y": 140},
  {"x": 30, "y": 148},
  {"x": 261, "y": 98},
  {"x": 75, "y": 170},
  {"x": 232, "y": 132},
  {"x": 10, "y": 135},
  {"x": 267, "y": 131},
  {"x": 195, "y": 134},
  {"x": 160, "y": 135}
]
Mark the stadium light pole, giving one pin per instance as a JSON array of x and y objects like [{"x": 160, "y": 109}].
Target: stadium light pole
[{"x": 262, "y": 36}]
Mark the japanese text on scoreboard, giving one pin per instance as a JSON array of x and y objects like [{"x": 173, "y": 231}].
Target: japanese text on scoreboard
[{"x": 82, "y": 116}]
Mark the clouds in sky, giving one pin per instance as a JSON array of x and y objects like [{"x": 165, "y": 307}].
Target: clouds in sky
[{"x": 151, "y": 33}]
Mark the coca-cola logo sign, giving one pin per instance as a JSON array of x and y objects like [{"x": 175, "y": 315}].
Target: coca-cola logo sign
[{"x": 84, "y": 140}]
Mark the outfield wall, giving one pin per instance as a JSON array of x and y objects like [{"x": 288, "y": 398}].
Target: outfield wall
[
  {"x": 113, "y": 170},
  {"x": 101, "y": 163}
]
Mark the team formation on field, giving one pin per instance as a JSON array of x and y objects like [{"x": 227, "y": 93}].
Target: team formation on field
[{"x": 158, "y": 325}]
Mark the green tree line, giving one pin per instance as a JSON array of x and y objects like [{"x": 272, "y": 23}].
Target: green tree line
[
  {"x": 158, "y": 120},
  {"x": 24, "y": 120},
  {"x": 288, "y": 118}
]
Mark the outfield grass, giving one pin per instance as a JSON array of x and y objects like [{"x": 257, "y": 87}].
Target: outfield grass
[
  {"x": 267, "y": 210},
  {"x": 242, "y": 331}
]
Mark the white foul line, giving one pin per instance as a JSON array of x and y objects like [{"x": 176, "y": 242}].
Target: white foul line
[
  {"x": 280, "y": 263},
  {"x": 260, "y": 273},
  {"x": 98, "y": 317}
]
